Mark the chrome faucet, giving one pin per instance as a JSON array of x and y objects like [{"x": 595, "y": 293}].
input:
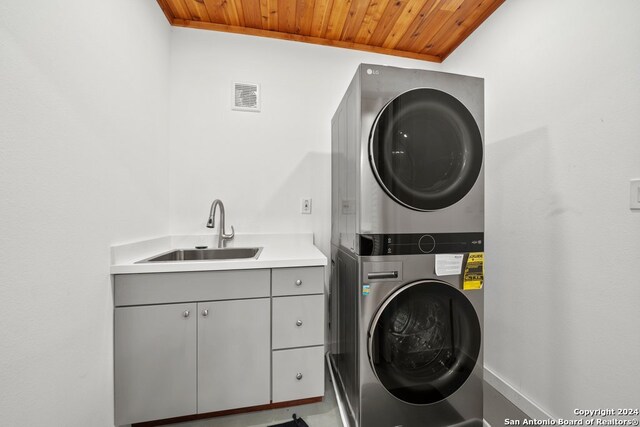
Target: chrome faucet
[{"x": 222, "y": 236}]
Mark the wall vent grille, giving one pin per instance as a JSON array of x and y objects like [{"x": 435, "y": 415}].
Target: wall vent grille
[{"x": 246, "y": 97}]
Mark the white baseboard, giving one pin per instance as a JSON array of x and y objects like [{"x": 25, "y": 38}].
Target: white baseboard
[{"x": 526, "y": 405}]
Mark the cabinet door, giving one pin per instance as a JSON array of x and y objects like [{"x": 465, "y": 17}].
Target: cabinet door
[
  {"x": 154, "y": 362},
  {"x": 233, "y": 354}
]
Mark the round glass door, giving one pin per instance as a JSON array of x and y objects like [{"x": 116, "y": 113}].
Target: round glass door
[
  {"x": 424, "y": 342},
  {"x": 426, "y": 149}
]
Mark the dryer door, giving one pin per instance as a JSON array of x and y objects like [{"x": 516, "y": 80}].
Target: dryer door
[
  {"x": 424, "y": 342},
  {"x": 425, "y": 149}
]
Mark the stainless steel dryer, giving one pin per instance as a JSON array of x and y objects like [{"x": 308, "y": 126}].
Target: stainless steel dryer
[
  {"x": 407, "y": 150},
  {"x": 409, "y": 348}
]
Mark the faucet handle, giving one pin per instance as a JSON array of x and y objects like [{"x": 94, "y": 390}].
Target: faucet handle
[{"x": 229, "y": 236}]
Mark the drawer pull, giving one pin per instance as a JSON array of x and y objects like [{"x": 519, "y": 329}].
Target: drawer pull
[
  {"x": 298, "y": 282},
  {"x": 299, "y": 376},
  {"x": 186, "y": 313},
  {"x": 299, "y": 323},
  {"x": 205, "y": 312}
]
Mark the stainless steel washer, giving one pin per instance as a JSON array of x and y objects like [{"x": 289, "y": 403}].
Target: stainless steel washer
[{"x": 409, "y": 351}]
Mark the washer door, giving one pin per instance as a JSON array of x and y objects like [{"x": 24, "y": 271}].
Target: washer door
[
  {"x": 425, "y": 149},
  {"x": 424, "y": 342}
]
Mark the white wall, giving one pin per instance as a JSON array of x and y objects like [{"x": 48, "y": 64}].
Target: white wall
[
  {"x": 563, "y": 139},
  {"x": 83, "y": 165},
  {"x": 259, "y": 164}
]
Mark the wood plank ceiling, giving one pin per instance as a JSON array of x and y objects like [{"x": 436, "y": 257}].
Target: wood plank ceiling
[{"x": 423, "y": 29}]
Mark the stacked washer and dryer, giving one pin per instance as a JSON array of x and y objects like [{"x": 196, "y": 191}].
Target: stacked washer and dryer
[{"x": 407, "y": 188}]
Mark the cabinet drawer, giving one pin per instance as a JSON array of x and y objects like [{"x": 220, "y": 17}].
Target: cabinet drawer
[
  {"x": 298, "y": 373},
  {"x": 160, "y": 288},
  {"x": 298, "y": 321},
  {"x": 297, "y": 281}
]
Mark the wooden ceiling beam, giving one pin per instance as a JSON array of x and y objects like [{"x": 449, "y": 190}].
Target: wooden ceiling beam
[{"x": 301, "y": 38}]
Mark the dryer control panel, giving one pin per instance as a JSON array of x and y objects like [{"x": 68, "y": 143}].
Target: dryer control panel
[{"x": 419, "y": 244}]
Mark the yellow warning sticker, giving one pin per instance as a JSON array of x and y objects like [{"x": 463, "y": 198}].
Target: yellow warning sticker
[{"x": 474, "y": 271}]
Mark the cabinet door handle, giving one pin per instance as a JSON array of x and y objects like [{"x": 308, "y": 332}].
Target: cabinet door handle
[
  {"x": 205, "y": 312},
  {"x": 299, "y": 323},
  {"x": 299, "y": 376},
  {"x": 186, "y": 313},
  {"x": 298, "y": 282}
]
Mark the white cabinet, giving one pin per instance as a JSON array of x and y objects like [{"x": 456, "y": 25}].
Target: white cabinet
[
  {"x": 198, "y": 342},
  {"x": 182, "y": 359},
  {"x": 233, "y": 354},
  {"x": 155, "y": 362},
  {"x": 175, "y": 359},
  {"x": 298, "y": 333}
]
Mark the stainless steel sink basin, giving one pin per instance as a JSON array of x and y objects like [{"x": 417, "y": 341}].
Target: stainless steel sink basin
[{"x": 204, "y": 255}]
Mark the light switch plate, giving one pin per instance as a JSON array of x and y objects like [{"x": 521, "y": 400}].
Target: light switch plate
[{"x": 634, "y": 199}]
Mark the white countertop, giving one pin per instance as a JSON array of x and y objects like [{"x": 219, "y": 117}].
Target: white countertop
[{"x": 279, "y": 250}]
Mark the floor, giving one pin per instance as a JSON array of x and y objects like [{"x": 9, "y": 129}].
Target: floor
[
  {"x": 497, "y": 408},
  {"x": 322, "y": 414},
  {"x": 326, "y": 414}
]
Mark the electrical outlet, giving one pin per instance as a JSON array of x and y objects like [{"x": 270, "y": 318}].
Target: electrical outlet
[{"x": 305, "y": 206}]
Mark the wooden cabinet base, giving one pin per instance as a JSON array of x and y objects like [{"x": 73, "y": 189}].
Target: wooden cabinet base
[{"x": 228, "y": 412}]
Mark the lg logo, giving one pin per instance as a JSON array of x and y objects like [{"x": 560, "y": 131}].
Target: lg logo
[{"x": 374, "y": 72}]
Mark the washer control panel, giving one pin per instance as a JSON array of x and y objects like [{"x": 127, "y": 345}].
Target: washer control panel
[{"x": 418, "y": 244}]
